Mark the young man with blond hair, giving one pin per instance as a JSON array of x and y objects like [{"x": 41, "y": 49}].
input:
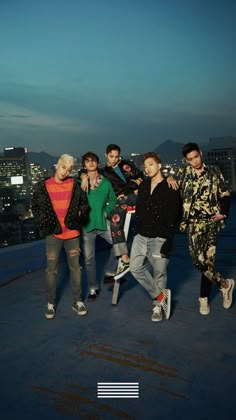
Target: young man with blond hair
[
  {"x": 60, "y": 206},
  {"x": 157, "y": 213}
]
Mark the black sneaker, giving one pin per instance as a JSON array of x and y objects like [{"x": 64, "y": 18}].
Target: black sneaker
[
  {"x": 93, "y": 293},
  {"x": 108, "y": 280},
  {"x": 123, "y": 268}
]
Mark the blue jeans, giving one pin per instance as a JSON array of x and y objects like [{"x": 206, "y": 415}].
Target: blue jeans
[
  {"x": 89, "y": 242},
  {"x": 53, "y": 249},
  {"x": 148, "y": 249}
]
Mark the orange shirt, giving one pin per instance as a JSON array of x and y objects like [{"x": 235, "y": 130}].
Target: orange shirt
[{"x": 60, "y": 195}]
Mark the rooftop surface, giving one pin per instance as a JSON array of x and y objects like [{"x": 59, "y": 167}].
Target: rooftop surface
[{"x": 185, "y": 367}]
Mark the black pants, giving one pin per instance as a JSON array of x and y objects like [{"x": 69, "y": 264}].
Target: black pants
[{"x": 205, "y": 287}]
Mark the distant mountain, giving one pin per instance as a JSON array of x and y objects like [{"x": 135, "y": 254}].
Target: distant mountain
[
  {"x": 43, "y": 159},
  {"x": 169, "y": 151}
]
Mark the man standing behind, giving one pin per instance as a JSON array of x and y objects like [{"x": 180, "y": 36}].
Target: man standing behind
[
  {"x": 101, "y": 199},
  {"x": 60, "y": 205},
  {"x": 206, "y": 201},
  {"x": 157, "y": 212},
  {"x": 125, "y": 179}
]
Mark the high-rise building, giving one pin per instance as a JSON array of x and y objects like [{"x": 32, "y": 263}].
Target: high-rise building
[
  {"x": 36, "y": 172},
  {"x": 7, "y": 197},
  {"x": 14, "y": 166},
  {"x": 225, "y": 159},
  {"x": 137, "y": 158}
]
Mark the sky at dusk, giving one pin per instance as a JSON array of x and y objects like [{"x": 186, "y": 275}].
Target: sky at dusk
[{"x": 77, "y": 75}]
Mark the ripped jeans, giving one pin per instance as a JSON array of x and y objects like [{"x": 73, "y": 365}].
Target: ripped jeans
[
  {"x": 53, "y": 249},
  {"x": 147, "y": 250}
]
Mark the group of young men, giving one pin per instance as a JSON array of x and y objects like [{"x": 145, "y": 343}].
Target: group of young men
[{"x": 95, "y": 205}]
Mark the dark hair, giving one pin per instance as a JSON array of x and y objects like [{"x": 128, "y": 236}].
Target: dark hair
[
  {"x": 111, "y": 147},
  {"x": 152, "y": 155},
  {"x": 90, "y": 155},
  {"x": 189, "y": 147}
]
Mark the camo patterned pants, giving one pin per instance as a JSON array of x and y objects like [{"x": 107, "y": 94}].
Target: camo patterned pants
[{"x": 202, "y": 239}]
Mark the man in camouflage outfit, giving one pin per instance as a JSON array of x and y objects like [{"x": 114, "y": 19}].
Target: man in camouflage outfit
[{"x": 206, "y": 203}]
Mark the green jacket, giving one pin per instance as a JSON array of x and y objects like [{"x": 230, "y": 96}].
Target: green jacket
[{"x": 102, "y": 200}]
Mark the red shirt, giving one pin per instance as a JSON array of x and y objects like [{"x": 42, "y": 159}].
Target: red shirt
[{"x": 60, "y": 195}]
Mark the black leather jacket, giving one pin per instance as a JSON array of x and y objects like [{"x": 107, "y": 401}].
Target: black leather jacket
[
  {"x": 133, "y": 177},
  {"x": 44, "y": 213}
]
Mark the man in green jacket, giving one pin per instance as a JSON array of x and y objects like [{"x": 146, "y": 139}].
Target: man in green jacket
[{"x": 101, "y": 199}]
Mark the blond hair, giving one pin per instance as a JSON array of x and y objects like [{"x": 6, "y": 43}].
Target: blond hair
[{"x": 69, "y": 160}]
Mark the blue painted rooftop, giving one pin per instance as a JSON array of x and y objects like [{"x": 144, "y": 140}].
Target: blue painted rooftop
[{"x": 185, "y": 367}]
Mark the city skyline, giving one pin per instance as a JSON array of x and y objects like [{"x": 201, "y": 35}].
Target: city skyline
[{"x": 76, "y": 76}]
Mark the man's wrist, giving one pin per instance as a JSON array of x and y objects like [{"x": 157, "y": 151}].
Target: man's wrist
[{"x": 82, "y": 176}]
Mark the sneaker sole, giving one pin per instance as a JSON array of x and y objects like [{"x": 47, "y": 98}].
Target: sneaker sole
[
  {"x": 50, "y": 316},
  {"x": 204, "y": 313},
  {"x": 118, "y": 276},
  {"x": 230, "y": 292},
  {"x": 157, "y": 320},
  {"x": 79, "y": 313}
]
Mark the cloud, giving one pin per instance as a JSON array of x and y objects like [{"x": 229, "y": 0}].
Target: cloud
[
  {"x": 23, "y": 118},
  {"x": 47, "y": 119}
]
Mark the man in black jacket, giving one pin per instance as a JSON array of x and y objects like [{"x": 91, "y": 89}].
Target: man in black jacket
[
  {"x": 60, "y": 205},
  {"x": 157, "y": 213}
]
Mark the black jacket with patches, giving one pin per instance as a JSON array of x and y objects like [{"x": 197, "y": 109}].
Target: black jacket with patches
[
  {"x": 133, "y": 177},
  {"x": 44, "y": 213}
]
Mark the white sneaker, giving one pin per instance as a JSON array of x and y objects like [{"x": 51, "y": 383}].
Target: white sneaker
[
  {"x": 79, "y": 308},
  {"x": 228, "y": 294},
  {"x": 204, "y": 308},
  {"x": 157, "y": 312},
  {"x": 50, "y": 312}
]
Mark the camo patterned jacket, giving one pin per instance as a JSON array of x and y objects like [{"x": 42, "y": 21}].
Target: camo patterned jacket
[{"x": 213, "y": 197}]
